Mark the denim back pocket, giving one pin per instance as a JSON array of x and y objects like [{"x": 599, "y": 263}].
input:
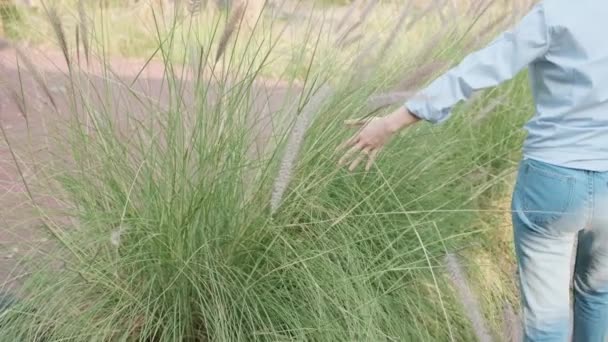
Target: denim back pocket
[{"x": 546, "y": 192}]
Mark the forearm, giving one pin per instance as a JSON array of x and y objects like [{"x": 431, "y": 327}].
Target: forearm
[
  {"x": 399, "y": 119},
  {"x": 498, "y": 62}
]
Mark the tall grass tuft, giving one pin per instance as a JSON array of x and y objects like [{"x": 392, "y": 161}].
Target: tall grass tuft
[{"x": 170, "y": 230}]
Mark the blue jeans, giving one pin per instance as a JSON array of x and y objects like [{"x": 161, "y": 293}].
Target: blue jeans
[{"x": 553, "y": 208}]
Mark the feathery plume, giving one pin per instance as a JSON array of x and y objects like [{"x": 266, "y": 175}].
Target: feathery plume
[
  {"x": 84, "y": 29},
  {"x": 364, "y": 15},
  {"x": 348, "y": 14},
  {"x": 512, "y": 324},
  {"x": 395, "y": 32},
  {"x": 194, "y": 7},
  {"x": 236, "y": 17},
  {"x": 60, "y": 34},
  {"x": 36, "y": 75},
  {"x": 467, "y": 299},
  {"x": 294, "y": 143}
]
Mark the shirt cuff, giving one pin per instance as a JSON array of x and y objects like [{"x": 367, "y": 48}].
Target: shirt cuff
[{"x": 421, "y": 109}]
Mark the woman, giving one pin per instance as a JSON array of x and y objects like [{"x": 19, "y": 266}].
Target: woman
[{"x": 562, "y": 186}]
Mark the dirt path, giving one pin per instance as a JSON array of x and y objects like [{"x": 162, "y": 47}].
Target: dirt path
[{"x": 21, "y": 234}]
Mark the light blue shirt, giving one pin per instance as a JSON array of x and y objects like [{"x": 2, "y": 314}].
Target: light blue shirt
[{"x": 565, "y": 45}]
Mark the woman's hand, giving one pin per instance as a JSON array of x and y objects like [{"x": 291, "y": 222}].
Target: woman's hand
[{"x": 373, "y": 135}]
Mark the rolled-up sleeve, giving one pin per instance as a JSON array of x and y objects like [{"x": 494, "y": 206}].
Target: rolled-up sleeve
[{"x": 500, "y": 61}]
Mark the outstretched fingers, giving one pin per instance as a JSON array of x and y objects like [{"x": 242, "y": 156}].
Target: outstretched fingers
[
  {"x": 358, "y": 147},
  {"x": 372, "y": 159},
  {"x": 364, "y": 153}
]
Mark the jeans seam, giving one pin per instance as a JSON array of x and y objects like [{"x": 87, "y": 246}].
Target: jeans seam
[
  {"x": 591, "y": 199},
  {"x": 520, "y": 278}
]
